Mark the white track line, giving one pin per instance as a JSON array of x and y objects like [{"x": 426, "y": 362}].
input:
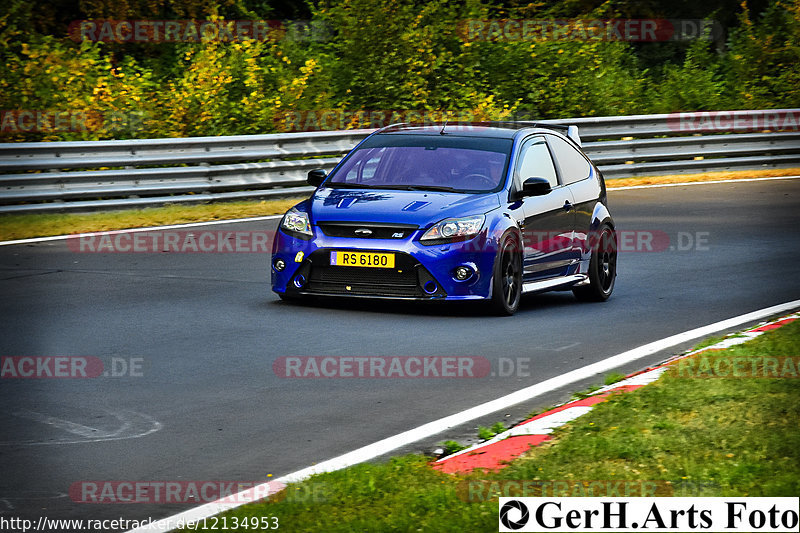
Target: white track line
[
  {"x": 390, "y": 444},
  {"x": 274, "y": 217},
  {"x": 139, "y": 230}
]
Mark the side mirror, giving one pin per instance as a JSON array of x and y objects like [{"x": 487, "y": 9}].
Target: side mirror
[
  {"x": 535, "y": 187},
  {"x": 316, "y": 177}
]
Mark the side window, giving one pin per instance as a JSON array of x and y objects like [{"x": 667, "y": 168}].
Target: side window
[
  {"x": 571, "y": 164},
  {"x": 535, "y": 161}
]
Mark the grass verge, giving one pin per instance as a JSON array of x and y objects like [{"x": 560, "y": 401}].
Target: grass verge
[
  {"x": 690, "y": 436},
  {"x": 26, "y": 226},
  {"x": 722, "y": 175}
]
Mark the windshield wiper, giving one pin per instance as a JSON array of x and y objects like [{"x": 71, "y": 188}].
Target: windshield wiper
[
  {"x": 442, "y": 188},
  {"x": 346, "y": 185},
  {"x": 398, "y": 187}
]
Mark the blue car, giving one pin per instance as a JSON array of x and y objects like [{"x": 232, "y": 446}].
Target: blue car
[{"x": 479, "y": 211}]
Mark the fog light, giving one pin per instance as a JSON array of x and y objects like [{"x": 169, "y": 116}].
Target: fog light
[
  {"x": 429, "y": 287},
  {"x": 299, "y": 281},
  {"x": 462, "y": 273},
  {"x": 279, "y": 265}
]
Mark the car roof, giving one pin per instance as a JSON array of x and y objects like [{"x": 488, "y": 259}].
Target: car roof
[{"x": 496, "y": 129}]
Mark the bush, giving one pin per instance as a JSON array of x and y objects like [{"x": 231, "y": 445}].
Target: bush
[{"x": 401, "y": 55}]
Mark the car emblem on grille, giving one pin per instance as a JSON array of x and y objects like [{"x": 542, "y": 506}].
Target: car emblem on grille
[
  {"x": 363, "y": 231},
  {"x": 398, "y": 235}
]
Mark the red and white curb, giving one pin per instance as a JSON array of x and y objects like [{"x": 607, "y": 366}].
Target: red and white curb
[
  {"x": 495, "y": 453},
  {"x": 435, "y": 427}
]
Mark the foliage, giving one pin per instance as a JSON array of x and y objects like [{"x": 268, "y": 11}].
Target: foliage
[
  {"x": 403, "y": 55},
  {"x": 485, "y": 433},
  {"x": 451, "y": 447},
  {"x": 764, "y": 56}
]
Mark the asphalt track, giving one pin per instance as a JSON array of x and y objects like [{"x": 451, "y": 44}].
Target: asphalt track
[{"x": 206, "y": 329}]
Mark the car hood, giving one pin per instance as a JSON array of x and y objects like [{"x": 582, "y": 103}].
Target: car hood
[{"x": 421, "y": 208}]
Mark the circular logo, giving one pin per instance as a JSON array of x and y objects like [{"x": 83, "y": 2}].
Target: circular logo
[{"x": 523, "y": 514}]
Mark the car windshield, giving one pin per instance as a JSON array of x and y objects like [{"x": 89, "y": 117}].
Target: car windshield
[{"x": 425, "y": 162}]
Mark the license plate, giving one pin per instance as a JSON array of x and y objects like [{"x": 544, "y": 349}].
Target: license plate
[{"x": 362, "y": 259}]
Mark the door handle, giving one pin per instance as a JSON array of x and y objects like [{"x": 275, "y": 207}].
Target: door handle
[{"x": 567, "y": 205}]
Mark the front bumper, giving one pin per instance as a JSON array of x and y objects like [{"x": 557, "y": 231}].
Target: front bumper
[{"x": 420, "y": 273}]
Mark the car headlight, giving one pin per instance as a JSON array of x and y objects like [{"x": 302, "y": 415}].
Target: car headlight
[
  {"x": 453, "y": 229},
  {"x": 296, "y": 221}
]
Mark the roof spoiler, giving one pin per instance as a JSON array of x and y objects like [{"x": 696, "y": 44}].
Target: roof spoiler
[
  {"x": 569, "y": 131},
  {"x": 572, "y": 133}
]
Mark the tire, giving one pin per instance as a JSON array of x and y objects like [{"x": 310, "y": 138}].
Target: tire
[
  {"x": 602, "y": 268},
  {"x": 507, "y": 278}
]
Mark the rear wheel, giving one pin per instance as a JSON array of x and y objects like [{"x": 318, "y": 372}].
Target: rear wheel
[
  {"x": 602, "y": 268},
  {"x": 507, "y": 279}
]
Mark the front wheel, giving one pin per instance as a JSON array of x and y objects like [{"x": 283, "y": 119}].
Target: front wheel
[
  {"x": 602, "y": 268},
  {"x": 507, "y": 278}
]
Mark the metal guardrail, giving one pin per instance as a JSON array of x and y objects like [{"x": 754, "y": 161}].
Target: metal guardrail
[{"x": 59, "y": 176}]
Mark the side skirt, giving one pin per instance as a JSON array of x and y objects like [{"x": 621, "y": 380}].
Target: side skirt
[{"x": 548, "y": 284}]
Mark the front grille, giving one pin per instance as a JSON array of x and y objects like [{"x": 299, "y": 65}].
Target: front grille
[
  {"x": 367, "y": 230},
  {"x": 403, "y": 281},
  {"x": 363, "y": 281}
]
